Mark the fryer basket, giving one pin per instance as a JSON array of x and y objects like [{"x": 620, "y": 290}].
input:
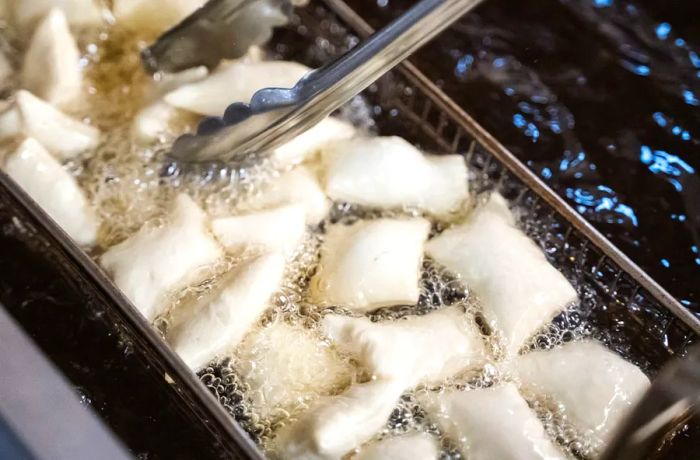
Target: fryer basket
[
  {"x": 625, "y": 307},
  {"x": 612, "y": 287}
]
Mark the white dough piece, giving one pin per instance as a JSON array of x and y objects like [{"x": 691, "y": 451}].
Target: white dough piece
[
  {"x": 234, "y": 82},
  {"x": 298, "y": 186},
  {"x": 498, "y": 205},
  {"x": 338, "y": 424},
  {"x": 278, "y": 230},
  {"x": 413, "y": 446},
  {"x": 389, "y": 172},
  {"x": 153, "y": 15},
  {"x": 519, "y": 290},
  {"x": 595, "y": 385},
  {"x": 492, "y": 423},
  {"x": 371, "y": 264},
  {"x": 428, "y": 348},
  {"x": 26, "y": 13},
  {"x": 154, "y": 262},
  {"x": 54, "y": 189},
  {"x": 310, "y": 142},
  {"x": 153, "y": 121},
  {"x": 63, "y": 136},
  {"x": 168, "y": 82},
  {"x": 51, "y": 68},
  {"x": 219, "y": 323},
  {"x": 10, "y": 123},
  {"x": 158, "y": 118},
  {"x": 287, "y": 366}
]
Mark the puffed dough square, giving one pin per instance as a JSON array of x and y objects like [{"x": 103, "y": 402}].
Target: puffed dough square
[
  {"x": 51, "y": 67},
  {"x": 492, "y": 423},
  {"x": 309, "y": 143},
  {"x": 371, "y": 264},
  {"x": 288, "y": 366},
  {"x": 298, "y": 186},
  {"x": 236, "y": 81},
  {"x": 519, "y": 290},
  {"x": 218, "y": 323},
  {"x": 416, "y": 349},
  {"x": 337, "y": 424},
  {"x": 276, "y": 230},
  {"x": 63, "y": 136},
  {"x": 595, "y": 385},
  {"x": 154, "y": 262},
  {"x": 389, "y": 172}
]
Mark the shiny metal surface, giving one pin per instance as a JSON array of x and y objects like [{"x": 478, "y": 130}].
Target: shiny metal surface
[
  {"x": 276, "y": 115},
  {"x": 36, "y": 401},
  {"x": 673, "y": 397},
  {"x": 221, "y": 29}
]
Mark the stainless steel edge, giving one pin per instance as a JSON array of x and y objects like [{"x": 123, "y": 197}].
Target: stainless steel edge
[
  {"x": 510, "y": 161},
  {"x": 36, "y": 415},
  {"x": 176, "y": 369}
]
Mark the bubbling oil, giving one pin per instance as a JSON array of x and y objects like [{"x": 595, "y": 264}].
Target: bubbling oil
[{"x": 131, "y": 185}]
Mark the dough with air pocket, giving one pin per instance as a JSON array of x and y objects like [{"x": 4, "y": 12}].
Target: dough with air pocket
[
  {"x": 389, "y": 172},
  {"x": 417, "y": 349},
  {"x": 154, "y": 262},
  {"x": 595, "y": 385},
  {"x": 491, "y": 423},
  {"x": 518, "y": 288},
  {"x": 371, "y": 264}
]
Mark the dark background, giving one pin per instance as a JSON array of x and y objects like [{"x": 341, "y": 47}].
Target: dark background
[{"x": 601, "y": 98}]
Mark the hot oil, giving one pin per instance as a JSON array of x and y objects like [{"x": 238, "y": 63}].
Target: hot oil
[
  {"x": 128, "y": 186},
  {"x": 129, "y": 182},
  {"x": 438, "y": 290},
  {"x": 132, "y": 185}
]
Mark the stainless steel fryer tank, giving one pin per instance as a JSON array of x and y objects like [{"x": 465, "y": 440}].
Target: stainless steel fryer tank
[{"x": 621, "y": 304}]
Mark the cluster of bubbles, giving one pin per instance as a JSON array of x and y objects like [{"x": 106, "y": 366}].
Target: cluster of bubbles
[{"x": 132, "y": 185}]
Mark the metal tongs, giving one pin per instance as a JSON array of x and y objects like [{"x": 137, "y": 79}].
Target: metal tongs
[
  {"x": 674, "y": 397},
  {"x": 276, "y": 115}
]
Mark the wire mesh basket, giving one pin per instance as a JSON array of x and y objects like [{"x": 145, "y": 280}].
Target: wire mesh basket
[
  {"x": 620, "y": 304},
  {"x": 618, "y": 296}
]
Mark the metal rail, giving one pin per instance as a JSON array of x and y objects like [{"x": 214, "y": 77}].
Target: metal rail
[{"x": 35, "y": 402}]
